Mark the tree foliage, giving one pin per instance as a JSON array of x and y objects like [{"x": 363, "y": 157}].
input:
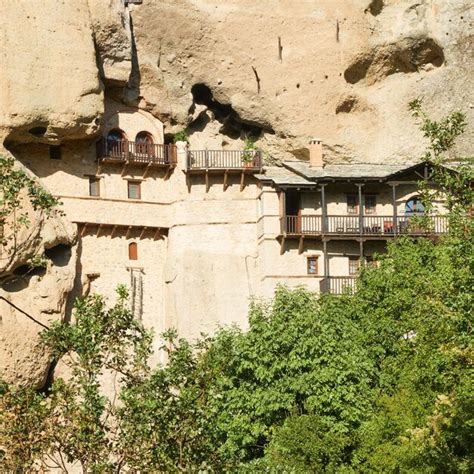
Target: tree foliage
[{"x": 17, "y": 187}]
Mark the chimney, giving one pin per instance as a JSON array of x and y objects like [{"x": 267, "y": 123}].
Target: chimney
[{"x": 316, "y": 153}]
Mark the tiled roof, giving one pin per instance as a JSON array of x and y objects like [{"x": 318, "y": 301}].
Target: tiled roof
[
  {"x": 281, "y": 175},
  {"x": 347, "y": 170}
]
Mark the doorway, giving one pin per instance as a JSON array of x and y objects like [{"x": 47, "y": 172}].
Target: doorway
[{"x": 293, "y": 211}]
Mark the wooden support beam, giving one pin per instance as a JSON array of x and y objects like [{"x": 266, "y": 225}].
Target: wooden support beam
[
  {"x": 282, "y": 245},
  {"x": 148, "y": 167},
  {"x": 157, "y": 233},
  {"x": 128, "y": 231},
  {"x": 301, "y": 245},
  {"x": 83, "y": 230},
  {"x": 124, "y": 167},
  {"x": 98, "y": 230},
  {"x": 143, "y": 232},
  {"x": 114, "y": 228},
  {"x": 207, "y": 181},
  {"x": 242, "y": 181},
  {"x": 167, "y": 173},
  {"x": 226, "y": 173}
]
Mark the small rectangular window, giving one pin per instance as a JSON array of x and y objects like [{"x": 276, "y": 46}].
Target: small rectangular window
[
  {"x": 134, "y": 190},
  {"x": 55, "y": 152},
  {"x": 370, "y": 203},
  {"x": 352, "y": 204},
  {"x": 312, "y": 265},
  {"x": 94, "y": 186},
  {"x": 354, "y": 265}
]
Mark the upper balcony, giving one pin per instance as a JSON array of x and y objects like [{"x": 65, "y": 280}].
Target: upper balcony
[
  {"x": 124, "y": 151},
  {"x": 363, "y": 226},
  {"x": 203, "y": 161}
]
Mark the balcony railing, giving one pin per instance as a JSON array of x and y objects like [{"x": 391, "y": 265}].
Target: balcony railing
[
  {"x": 371, "y": 225},
  {"x": 338, "y": 285},
  {"x": 136, "y": 152},
  {"x": 225, "y": 160}
]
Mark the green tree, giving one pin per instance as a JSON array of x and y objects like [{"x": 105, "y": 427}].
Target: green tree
[{"x": 18, "y": 191}]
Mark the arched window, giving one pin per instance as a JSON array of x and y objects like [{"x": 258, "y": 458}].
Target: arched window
[
  {"x": 414, "y": 207},
  {"x": 116, "y": 143},
  {"x": 144, "y": 144},
  {"x": 133, "y": 251}
]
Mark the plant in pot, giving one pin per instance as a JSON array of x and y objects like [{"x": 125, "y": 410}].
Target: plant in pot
[
  {"x": 250, "y": 152},
  {"x": 181, "y": 136}
]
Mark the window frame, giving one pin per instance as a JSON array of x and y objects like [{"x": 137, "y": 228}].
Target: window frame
[
  {"x": 139, "y": 188},
  {"x": 133, "y": 251},
  {"x": 374, "y": 207},
  {"x": 355, "y": 206},
  {"x": 315, "y": 259},
  {"x": 95, "y": 179},
  {"x": 351, "y": 259}
]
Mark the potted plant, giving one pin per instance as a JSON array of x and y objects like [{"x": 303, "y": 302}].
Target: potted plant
[{"x": 249, "y": 153}]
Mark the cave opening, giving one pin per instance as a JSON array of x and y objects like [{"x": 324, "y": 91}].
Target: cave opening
[
  {"x": 59, "y": 255},
  {"x": 233, "y": 125},
  {"x": 37, "y": 131}
]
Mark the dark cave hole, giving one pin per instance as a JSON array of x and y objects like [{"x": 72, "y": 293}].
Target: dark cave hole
[
  {"x": 59, "y": 255},
  {"x": 20, "y": 278},
  {"x": 29, "y": 271},
  {"x": 37, "y": 131},
  {"x": 232, "y": 124},
  {"x": 375, "y": 7}
]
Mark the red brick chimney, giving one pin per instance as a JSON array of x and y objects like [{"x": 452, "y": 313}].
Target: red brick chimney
[{"x": 316, "y": 153}]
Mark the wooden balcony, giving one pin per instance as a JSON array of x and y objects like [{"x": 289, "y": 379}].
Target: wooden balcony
[
  {"x": 124, "y": 151},
  {"x": 338, "y": 285},
  {"x": 367, "y": 226},
  {"x": 224, "y": 160}
]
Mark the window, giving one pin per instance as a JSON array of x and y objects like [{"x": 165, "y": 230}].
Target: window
[
  {"x": 370, "y": 203},
  {"x": 116, "y": 143},
  {"x": 312, "y": 265},
  {"x": 55, "y": 152},
  {"x": 352, "y": 204},
  {"x": 134, "y": 190},
  {"x": 354, "y": 265},
  {"x": 115, "y": 135},
  {"x": 414, "y": 207},
  {"x": 144, "y": 144},
  {"x": 94, "y": 186},
  {"x": 133, "y": 251}
]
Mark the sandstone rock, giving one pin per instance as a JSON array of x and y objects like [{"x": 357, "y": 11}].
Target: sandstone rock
[
  {"x": 280, "y": 69},
  {"x": 40, "y": 292},
  {"x": 49, "y": 85},
  {"x": 113, "y": 39}
]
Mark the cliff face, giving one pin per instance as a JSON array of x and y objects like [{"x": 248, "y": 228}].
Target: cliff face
[
  {"x": 281, "y": 70},
  {"x": 342, "y": 71},
  {"x": 50, "y": 91}
]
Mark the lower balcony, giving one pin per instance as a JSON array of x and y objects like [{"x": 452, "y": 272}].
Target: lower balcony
[
  {"x": 338, "y": 285},
  {"x": 367, "y": 226}
]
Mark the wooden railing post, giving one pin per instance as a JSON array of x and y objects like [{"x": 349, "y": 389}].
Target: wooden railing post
[
  {"x": 361, "y": 209},
  {"x": 323, "y": 209},
  {"x": 394, "y": 207}
]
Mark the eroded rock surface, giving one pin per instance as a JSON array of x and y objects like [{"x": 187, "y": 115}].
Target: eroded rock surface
[
  {"x": 41, "y": 292},
  {"x": 49, "y": 83},
  {"x": 284, "y": 69}
]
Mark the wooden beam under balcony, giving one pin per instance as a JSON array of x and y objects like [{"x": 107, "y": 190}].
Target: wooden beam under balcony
[{"x": 138, "y": 231}]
